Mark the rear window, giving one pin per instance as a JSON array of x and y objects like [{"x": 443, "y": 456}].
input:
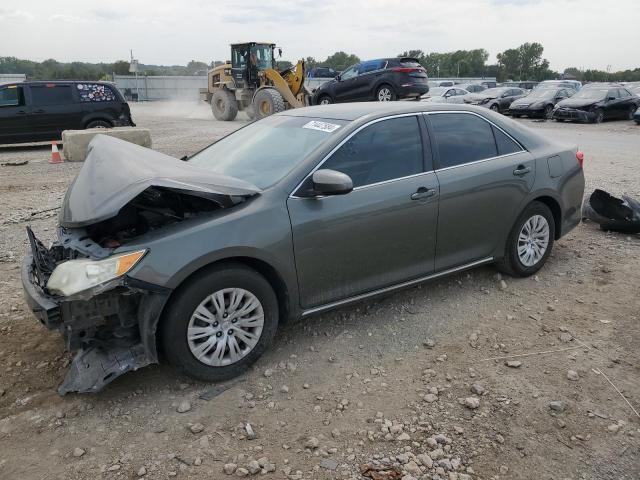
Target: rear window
[
  {"x": 11, "y": 96},
  {"x": 95, "y": 92},
  {"x": 51, "y": 94},
  {"x": 409, "y": 63}
]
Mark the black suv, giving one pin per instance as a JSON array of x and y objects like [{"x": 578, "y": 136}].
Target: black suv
[
  {"x": 383, "y": 80},
  {"x": 40, "y": 111}
]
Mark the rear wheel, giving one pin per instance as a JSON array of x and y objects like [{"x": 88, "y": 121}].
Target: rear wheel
[
  {"x": 99, "y": 124},
  {"x": 385, "y": 93},
  {"x": 224, "y": 105},
  {"x": 530, "y": 241},
  {"x": 495, "y": 108},
  {"x": 548, "y": 111},
  {"x": 267, "y": 102},
  {"x": 631, "y": 113},
  {"x": 220, "y": 323}
]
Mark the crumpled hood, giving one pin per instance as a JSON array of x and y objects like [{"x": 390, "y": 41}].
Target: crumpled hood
[
  {"x": 577, "y": 102},
  {"x": 115, "y": 172}
]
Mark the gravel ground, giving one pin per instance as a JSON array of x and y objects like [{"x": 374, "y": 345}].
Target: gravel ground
[{"x": 429, "y": 383}]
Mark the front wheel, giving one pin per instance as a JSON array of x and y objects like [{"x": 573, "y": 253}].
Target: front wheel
[
  {"x": 385, "y": 94},
  {"x": 99, "y": 124},
  {"x": 495, "y": 108},
  {"x": 530, "y": 241},
  {"x": 267, "y": 102},
  {"x": 548, "y": 112},
  {"x": 325, "y": 100},
  {"x": 599, "y": 115},
  {"x": 631, "y": 113},
  {"x": 220, "y": 323}
]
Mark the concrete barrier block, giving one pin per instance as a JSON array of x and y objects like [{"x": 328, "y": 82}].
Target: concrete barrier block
[{"x": 75, "y": 142}]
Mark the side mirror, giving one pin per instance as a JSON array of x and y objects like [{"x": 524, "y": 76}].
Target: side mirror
[
  {"x": 611, "y": 98},
  {"x": 331, "y": 182},
  {"x": 338, "y": 77}
]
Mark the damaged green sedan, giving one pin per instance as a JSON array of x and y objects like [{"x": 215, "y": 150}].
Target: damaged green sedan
[{"x": 198, "y": 261}]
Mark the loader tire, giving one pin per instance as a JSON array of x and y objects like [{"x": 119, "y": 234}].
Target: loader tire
[
  {"x": 267, "y": 102},
  {"x": 224, "y": 105}
]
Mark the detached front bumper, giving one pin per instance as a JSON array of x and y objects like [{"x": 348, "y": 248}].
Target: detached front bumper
[
  {"x": 564, "y": 113},
  {"x": 112, "y": 332}
]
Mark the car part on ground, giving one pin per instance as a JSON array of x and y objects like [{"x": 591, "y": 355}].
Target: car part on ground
[
  {"x": 539, "y": 102},
  {"x": 203, "y": 258},
  {"x": 597, "y": 103},
  {"x": 611, "y": 213},
  {"x": 252, "y": 83},
  {"x": 381, "y": 80},
  {"x": 39, "y": 111}
]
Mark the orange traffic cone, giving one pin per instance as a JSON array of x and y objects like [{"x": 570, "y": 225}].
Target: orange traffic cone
[{"x": 55, "y": 153}]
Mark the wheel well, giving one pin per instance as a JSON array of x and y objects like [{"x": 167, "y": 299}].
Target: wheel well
[
  {"x": 554, "y": 206},
  {"x": 260, "y": 266}
]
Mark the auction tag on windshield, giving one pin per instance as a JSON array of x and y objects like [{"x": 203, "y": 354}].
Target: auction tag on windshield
[{"x": 322, "y": 126}]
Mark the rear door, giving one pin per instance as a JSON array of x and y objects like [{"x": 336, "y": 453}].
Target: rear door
[
  {"x": 484, "y": 177},
  {"x": 14, "y": 125},
  {"x": 54, "y": 109},
  {"x": 381, "y": 233},
  {"x": 369, "y": 74},
  {"x": 626, "y": 103}
]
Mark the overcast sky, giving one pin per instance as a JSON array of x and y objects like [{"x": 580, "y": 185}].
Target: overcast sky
[{"x": 581, "y": 33}]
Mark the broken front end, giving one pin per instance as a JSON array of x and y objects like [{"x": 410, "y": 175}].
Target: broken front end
[
  {"x": 104, "y": 315},
  {"x": 84, "y": 284}
]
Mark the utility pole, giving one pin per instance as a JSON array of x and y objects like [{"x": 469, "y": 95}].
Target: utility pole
[{"x": 134, "y": 68}]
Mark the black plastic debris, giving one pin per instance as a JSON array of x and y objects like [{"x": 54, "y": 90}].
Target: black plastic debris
[{"x": 611, "y": 213}]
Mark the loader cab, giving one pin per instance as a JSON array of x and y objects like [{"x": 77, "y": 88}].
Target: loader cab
[{"x": 248, "y": 59}]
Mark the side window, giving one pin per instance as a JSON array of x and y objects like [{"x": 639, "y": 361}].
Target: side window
[
  {"x": 460, "y": 92},
  {"x": 350, "y": 72},
  {"x": 383, "y": 151},
  {"x": 623, "y": 93},
  {"x": 612, "y": 94},
  {"x": 51, "y": 94},
  {"x": 370, "y": 66},
  {"x": 462, "y": 138},
  {"x": 11, "y": 96},
  {"x": 95, "y": 92},
  {"x": 504, "y": 142}
]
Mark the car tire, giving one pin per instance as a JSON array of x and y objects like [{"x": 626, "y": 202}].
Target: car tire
[
  {"x": 385, "y": 93},
  {"x": 548, "y": 112},
  {"x": 99, "y": 124},
  {"x": 534, "y": 228},
  {"x": 495, "y": 108},
  {"x": 599, "y": 115},
  {"x": 631, "y": 113},
  {"x": 224, "y": 105},
  {"x": 198, "y": 294},
  {"x": 325, "y": 100},
  {"x": 267, "y": 102}
]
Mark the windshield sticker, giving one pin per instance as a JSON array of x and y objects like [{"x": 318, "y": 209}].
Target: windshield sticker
[{"x": 322, "y": 126}]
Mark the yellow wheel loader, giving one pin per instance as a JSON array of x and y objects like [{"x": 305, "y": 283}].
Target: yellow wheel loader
[{"x": 252, "y": 83}]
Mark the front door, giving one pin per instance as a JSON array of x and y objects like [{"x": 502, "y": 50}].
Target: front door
[
  {"x": 344, "y": 88},
  {"x": 484, "y": 177},
  {"x": 14, "y": 126},
  {"x": 381, "y": 233}
]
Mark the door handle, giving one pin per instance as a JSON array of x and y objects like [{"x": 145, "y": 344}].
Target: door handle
[
  {"x": 39, "y": 111},
  {"x": 423, "y": 193},
  {"x": 521, "y": 170},
  {"x": 21, "y": 112}
]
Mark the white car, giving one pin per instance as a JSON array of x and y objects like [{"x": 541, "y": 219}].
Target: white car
[{"x": 445, "y": 95}]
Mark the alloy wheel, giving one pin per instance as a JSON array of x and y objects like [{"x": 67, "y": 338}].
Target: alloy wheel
[
  {"x": 225, "y": 327},
  {"x": 384, "y": 94},
  {"x": 325, "y": 101},
  {"x": 533, "y": 240}
]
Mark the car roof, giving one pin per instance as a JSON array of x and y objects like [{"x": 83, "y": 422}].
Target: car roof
[{"x": 367, "y": 110}]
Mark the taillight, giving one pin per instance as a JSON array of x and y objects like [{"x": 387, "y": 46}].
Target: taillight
[
  {"x": 407, "y": 69},
  {"x": 580, "y": 157}
]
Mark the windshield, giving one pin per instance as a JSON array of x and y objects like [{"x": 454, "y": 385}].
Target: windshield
[
  {"x": 263, "y": 152},
  {"x": 543, "y": 93},
  {"x": 591, "y": 93},
  {"x": 493, "y": 92}
]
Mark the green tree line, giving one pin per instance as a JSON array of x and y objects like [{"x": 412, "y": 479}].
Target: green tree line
[{"x": 525, "y": 62}]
